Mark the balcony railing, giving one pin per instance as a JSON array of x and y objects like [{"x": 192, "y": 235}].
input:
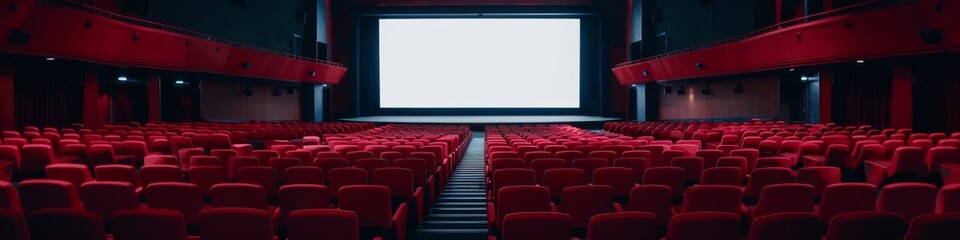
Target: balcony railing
[
  {"x": 813, "y": 17},
  {"x": 178, "y": 30}
]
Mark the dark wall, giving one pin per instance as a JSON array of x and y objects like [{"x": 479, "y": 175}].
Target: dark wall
[
  {"x": 226, "y": 101},
  {"x": 267, "y": 24},
  {"x": 760, "y": 99}
]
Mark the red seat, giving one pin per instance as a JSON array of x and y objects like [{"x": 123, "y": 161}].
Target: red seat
[
  {"x": 620, "y": 179},
  {"x": 13, "y": 226},
  {"x": 782, "y": 198},
  {"x": 907, "y": 163},
  {"x": 183, "y": 155},
  {"x": 637, "y": 164},
  {"x": 843, "y": 198},
  {"x": 371, "y": 203},
  {"x": 37, "y": 194},
  {"x": 161, "y": 160},
  {"x": 609, "y": 155},
  {"x": 304, "y": 157},
  {"x": 704, "y": 225},
  {"x": 569, "y": 155},
  {"x": 137, "y": 224},
  {"x": 541, "y": 165},
  {"x": 235, "y": 223},
  {"x": 303, "y": 175},
  {"x": 330, "y": 224},
  {"x": 940, "y": 155},
  {"x": 108, "y": 197},
  {"x": 74, "y": 224},
  {"x": 371, "y": 165},
  {"x": 239, "y": 195},
  {"x": 584, "y": 202},
  {"x": 787, "y": 226},
  {"x": 402, "y": 189},
  {"x": 328, "y": 164},
  {"x": 160, "y": 173},
  {"x": 536, "y": 226},
  {"x": 118, "y": 173},
  {"x": 764, "y": 177},
  {"x": 200, "y": 160},
  {"x": 710, "y": 157},
  {"x": 518, "y": 199},
  {"x": 866, "y": 226},
  {"x": 934, "y": 226},
  {"x": 185, "y": 198},
  {"x": 711, "y": 198},
  {"x": 668, "y": 176},
  {"x": 590, "y": 164},
  {"x": 819, "y": 177},
  {"x": 341, "y": 177},
  {"x": 295, "y": 197},
  {"x": 948, "y": 199},
  {"x": 654, "y": 199},
  {"x": 560, "y": 178},
  {"x": 623, "y": 226},
  {"x": 35, "y": 157},
  {"x": 769, "y": 162},
  {"x": 265, "y": 177},
  {"x": 692, "y": 167},
  {"x": 264, "y": 156},
  {"x": 511, "y": 177},
  {"x": 354, "y": 156},
  {"x": 205, "y": 177},
  {"x": 751, "y": 155},
  {"x": 909, "y": 200},
  {"x": 75, "y": 174},
  {"x": 9, "y": 198},
  {"x": 729, "y": 176}
]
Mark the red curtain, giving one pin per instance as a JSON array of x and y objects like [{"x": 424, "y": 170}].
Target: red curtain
[
  {"x": 46, "y": 95},
  {"x": 861, "y": 96}
]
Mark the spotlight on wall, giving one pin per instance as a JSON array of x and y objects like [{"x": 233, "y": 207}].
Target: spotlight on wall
[
  {"x": 247, "y": 91},
  {"x": 276, "y": 92},
  {"x": 324, "y": 85},
  {"x": 667, "y": 89},
  {"x": 179, "y": 82},
  {"x": 122, "y": 78},
  {"x": 633, "y": 85},
  {"x": 51, "y": 59},
  {"x": 793, "y": 69},
  {"x": 681, "y": 91},
  {"x": 861, "y": 61},
  {"x": 738, "y": 89},
  {"x": 706, "y": 89},
  {"x": 313, "y": 73},
  {"x": 246, "y": 65}
]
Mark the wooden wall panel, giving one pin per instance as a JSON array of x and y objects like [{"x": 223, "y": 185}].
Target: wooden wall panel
[
  {"x": 761, "y": 98},
  {"x": 225, "y": 101}
]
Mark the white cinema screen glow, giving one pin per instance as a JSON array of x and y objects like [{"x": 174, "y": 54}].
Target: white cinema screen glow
[{"x": 479, "y": 63}]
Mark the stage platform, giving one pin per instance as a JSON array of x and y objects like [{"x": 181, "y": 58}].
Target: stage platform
[{"x": 483, "y": 120}]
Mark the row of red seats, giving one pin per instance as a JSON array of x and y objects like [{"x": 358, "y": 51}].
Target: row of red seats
[
  {"x": 262, "y": 172},
  {"x": 773, "y": 171},
  {"x": 28, "y": 152}
]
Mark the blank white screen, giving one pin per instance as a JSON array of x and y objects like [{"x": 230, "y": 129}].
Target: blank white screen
[{"x": 479, "y": 63}]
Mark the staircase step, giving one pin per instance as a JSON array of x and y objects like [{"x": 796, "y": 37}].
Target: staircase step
[
  {"x": 453, "y": 224},
  {"x": 458, "y": 210}
]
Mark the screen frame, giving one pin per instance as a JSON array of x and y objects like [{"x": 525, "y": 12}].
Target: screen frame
[{"x": 368, "y": 72}]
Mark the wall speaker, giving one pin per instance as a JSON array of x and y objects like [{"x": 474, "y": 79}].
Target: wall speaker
[
  {"x": 738, "y": 89},
  {"x": 276, "y": 92},
  {"x": 681, "y": 91},
  {"x": 247, "y": 91},
  {"x": 19, "y": 37},
  {"x": 667, "y": 89},
  {"x": 932, "y": 36},
  {"x": 706, "y": 90}
]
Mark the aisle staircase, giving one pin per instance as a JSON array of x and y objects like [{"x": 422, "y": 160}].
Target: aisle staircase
[{"x": 460, "y": 212}]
